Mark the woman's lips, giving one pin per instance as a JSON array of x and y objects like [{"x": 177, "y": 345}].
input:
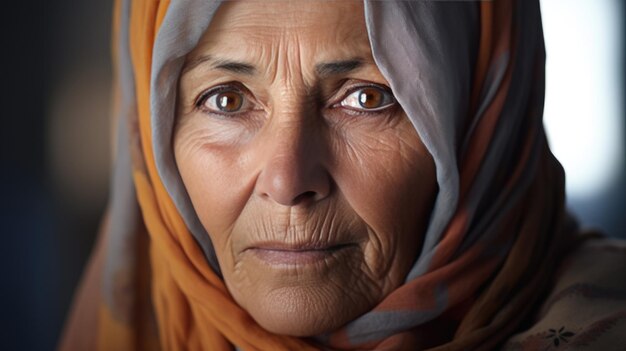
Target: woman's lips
[{"x": 281, "y": 254}]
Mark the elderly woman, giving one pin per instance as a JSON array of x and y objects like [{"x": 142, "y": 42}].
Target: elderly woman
[{"x": 339, "y": 175}]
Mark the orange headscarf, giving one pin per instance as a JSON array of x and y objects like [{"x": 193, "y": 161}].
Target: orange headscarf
[{"x": 149, "y": 285}]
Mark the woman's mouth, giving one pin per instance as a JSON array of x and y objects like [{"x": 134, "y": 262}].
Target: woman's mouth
[{"x": 279, "y": 254}]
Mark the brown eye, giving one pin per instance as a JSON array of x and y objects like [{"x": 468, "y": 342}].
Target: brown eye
[
  {"x": 229, "y": 101},
  {"x": 224, "y": 100},
  {"x": 368, "y": 99}
]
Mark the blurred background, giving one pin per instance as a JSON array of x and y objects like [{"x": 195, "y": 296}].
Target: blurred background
[{"x": 56, "y": 153}]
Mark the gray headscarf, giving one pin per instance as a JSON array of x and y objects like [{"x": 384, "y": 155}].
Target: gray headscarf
[{"x": 470, "y": 78}]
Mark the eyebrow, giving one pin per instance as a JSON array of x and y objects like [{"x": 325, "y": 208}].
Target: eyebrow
[
  {"x": 337, "y": 67},
  {"x": 221, "y": 64},
  {"x": 324, "y": 69}
]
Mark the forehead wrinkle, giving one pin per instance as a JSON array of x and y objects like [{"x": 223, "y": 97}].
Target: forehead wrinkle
[
  {"x": 311, "y": 63},
  {"x": 282, "y": 59},
  {"x": 287, "y": 47},
  {"x": 291, "y": 69},
  {"x": 238, "y": 23},
  {"x": 284, "y": 14}
]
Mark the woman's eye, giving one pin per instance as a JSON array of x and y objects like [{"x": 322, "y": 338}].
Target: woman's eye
[
  {"x": 368, "y": 99},
  {"x": 224, "y": 101}
]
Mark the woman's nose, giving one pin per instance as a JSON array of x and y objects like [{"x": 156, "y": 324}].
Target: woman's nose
[{"x": 293, "y": 172}]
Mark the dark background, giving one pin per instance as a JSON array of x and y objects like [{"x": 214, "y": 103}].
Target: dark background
[{"x": 55, "y": 159}]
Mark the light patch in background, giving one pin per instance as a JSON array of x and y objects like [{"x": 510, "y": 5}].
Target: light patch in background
[
  {"x": 583, "y": 116},
  {"x": 79, "y": 137}
]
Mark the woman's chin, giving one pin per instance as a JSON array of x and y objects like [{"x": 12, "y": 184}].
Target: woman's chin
[
  {"x": 305, "y": 311},
  {"x": 303, "y": 295}
]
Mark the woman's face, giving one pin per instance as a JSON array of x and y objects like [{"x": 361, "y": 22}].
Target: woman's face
[{"x": 309, "y": 178}]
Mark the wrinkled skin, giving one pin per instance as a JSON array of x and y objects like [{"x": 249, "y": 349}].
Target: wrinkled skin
[{"x": 316, "y": 205}]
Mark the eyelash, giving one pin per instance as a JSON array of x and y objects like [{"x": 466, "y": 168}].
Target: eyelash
[
  {"x": 235, "y": 86},
  {"x": 356, "y": 87},
  {"x": 204, "y": 96}
]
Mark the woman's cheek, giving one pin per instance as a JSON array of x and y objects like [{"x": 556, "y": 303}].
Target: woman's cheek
[
  {"x": 208, "y": 161},
  {"x": 374, "y": 171}
]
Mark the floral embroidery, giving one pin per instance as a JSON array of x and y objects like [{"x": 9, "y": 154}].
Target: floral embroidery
[{"x": 559, "y": 336}]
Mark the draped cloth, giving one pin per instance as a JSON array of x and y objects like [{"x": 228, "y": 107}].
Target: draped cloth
[{"x": 470, "y": 77}]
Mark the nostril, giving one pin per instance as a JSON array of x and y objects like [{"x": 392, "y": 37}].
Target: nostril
[{"x": 307, "y": 195}]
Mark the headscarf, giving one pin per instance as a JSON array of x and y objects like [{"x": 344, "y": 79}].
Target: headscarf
[{"x": 470, "y": 77}]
